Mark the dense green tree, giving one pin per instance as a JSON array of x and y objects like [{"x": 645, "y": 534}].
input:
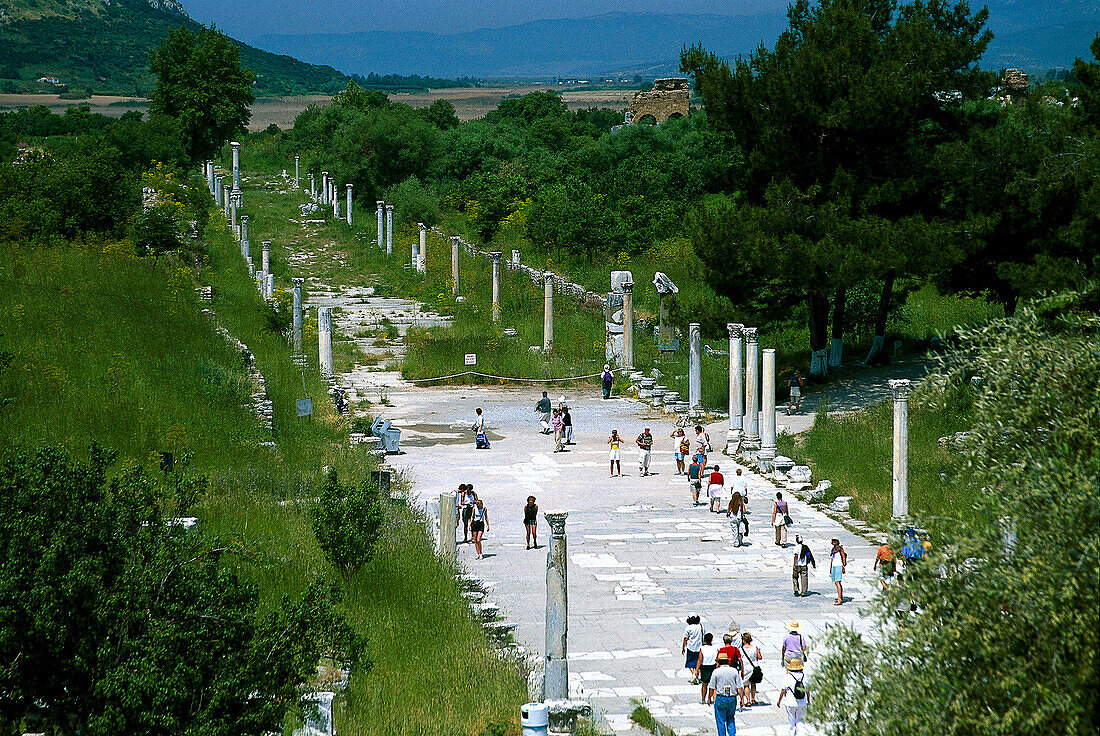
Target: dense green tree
[
  {"x": 348, "y": 522},
  {"x": 1088, "y": 74},
  {"x": 842, "y": 116},
  {"x": 201, "y": 84},
  {"x": 414, "y": 202},
  {"x": 1006, "y": 637},
  {"x": 441, "y": 114},
  {"x": 115, "y": 620}
]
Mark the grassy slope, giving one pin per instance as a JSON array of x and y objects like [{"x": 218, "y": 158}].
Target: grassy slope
[
  {"x": 109, "y": 350},
  {"x": 85, "y": 45},
  {"x": 855, "y": 452}
]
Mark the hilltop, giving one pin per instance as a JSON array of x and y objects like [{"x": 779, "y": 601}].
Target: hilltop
[{"x": 103, "y": 45}]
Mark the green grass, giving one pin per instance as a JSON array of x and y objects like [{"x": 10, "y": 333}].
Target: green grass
[
  {"x": 855, "y": 452},
  {"x": 644, "y": 718},
  {"x": 109, "y": 350}
]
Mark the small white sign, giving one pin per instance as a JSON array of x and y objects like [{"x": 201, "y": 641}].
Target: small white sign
[{"x": 471, "y": 358}]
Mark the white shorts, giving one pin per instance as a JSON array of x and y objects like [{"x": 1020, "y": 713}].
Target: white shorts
[
  {"x": 714, "y": 490},
  {"x": 615, "y": 454},
  {"x": 796, "y": 393}
]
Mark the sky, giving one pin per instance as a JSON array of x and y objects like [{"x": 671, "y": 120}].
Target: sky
[{"x": 247, "y": 19}]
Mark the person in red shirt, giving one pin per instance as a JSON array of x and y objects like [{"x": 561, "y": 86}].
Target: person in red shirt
[
  {"x": 732, "y": 652},
  {"x": 715, "y": 486}
]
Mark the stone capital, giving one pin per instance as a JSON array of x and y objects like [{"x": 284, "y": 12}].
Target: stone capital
[
  {"x": 556, "y": 519},
  {"x": 422, "y": 226},
  {"x": 628, "y": 287},
  {"x": 734, "y": 328},
  {"x": 298, "y": 283},
  {"x": 900, "y": 388},
  {"x": 389, "y": 208},
  {"x": 348, "y": 186},
  {"x": 266, "y": 244},
  {"x": 244, "y": 218},
  {"x": 548, "y": 276},
  {"x": 751, "y": 334},
  {"x": 380, "y": 203},
  {"x": 235, "y": 144},
  {"x": 495, "y": 256}
]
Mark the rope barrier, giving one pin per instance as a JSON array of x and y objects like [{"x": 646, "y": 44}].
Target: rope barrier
[{"x": 509, "y": 378}]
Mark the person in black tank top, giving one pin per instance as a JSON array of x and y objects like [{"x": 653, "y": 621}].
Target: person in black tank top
[{"x": 530, "y": 522}]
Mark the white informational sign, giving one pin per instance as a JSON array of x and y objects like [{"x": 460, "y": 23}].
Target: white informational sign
[{"x": 471, "y": 358}]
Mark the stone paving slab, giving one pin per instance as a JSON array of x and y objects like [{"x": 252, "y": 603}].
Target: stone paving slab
[{"x": 639, "y": 564}]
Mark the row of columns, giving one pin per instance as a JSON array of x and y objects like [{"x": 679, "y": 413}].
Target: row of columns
[{"x": 751, "y": 391}]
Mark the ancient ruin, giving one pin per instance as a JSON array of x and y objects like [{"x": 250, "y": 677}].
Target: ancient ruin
[{"x": 667, "y": 99}]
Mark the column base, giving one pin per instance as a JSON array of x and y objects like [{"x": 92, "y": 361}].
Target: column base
[
  {"x": 733, "y": 441},
  {"x": 764, "y": 458}
]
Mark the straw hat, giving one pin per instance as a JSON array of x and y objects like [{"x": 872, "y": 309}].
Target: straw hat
[
  {"x": 795, "y": 665},
  {"x": 792, "y": 626}
]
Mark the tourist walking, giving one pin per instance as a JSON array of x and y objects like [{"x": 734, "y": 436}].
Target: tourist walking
[
  {"x": 645, "y": 450},
  {"x": 481, "y": 442},
  {"x": 680, "y": 449},
  {"x": 555, "y": 422},
  {"x": 708, "y": 660},
  {"x": 838, "y": 565},
  {"x": 542, "y": 408},
  {"x": 780, "y": 519},
  {"x": 740, "y": 484},
  {"x": 803, "y": 558},
  {"x": 479, "y": 524},
  {"x": 726, "y": 687},
  {"x": 754, "y": 675},
  {"x": 695, "y": 480},
  {"x": 716, "y": 485},
  {"x": 795, "y": 384},
  {"x": 469, "y": 501},
  {"x": 616, "y": 453},
  {"x": 731, "y": 650},
  {"x": 531, "y": 522},
  {"x": 693, "y": 642},
  {"x": 797, "y": 696},
  {"x": 567, "y": 426},
  {"x": 702, "y": 446},
  {"x": 607, "y": 378},
  {"x": 739, "y": 523},
  {"x": 794, "y": 646},
  {"x": 885, "y": 564}
]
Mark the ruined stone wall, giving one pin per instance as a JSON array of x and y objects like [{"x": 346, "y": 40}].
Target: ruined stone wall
[{"x": 669, "y": 97}]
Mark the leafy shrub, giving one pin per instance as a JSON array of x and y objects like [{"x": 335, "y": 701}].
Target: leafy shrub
[{"x": 348, "y": 522}]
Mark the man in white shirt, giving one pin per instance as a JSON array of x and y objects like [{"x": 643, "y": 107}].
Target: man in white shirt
[
  {"x": 794, "y": 685},
  {"x": 740, "y": 484},
  {"x": 726, "y": 689}
]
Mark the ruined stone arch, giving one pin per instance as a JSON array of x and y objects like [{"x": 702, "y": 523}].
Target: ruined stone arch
[{"x": 668, "y": 98}]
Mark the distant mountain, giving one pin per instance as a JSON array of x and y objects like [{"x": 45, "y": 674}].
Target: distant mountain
[
  {"x": 1035, "y": 35},
  {"x": 104, "y": 45}
]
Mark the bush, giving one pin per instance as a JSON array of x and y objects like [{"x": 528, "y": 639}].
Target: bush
[{"x": 348, "y": 522}]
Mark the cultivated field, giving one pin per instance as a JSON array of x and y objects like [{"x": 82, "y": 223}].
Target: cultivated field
[{"x": 469, "y": 102}]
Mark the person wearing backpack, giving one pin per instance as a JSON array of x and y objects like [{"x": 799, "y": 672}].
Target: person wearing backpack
[
  {"x": 798, "y": 697},
  {"x": 803, "y": 558}
]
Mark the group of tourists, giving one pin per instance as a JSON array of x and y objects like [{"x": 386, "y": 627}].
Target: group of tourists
[
  {"x": 728, "y": 676},
  {"x": 556, "y": 421},
  {"x": 472, "y": 515}
]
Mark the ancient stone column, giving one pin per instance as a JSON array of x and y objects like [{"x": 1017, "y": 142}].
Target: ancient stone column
[
  {"x": 752, "y": 388},
  {"x": 381, "y": 223},
  {"x": 456, "y": 243},
  {"x": 448, "y": 542},
  {"x": 312, "y": 187},
  {"x": 389, "y": 229},
  {"x": 210, "y": 175},
  {"x": 547, "y": 311},
  {"x": 218, "y": 190},
  {"x": 348, "y": 213},
  {"x": 556, "y": 682},
  {"x": 244, "y": 237},
  {"x": 297, "y": 171},
  {"x": 422, "y": 259},
  {"x": 695, "y": 366},
  {"x": 495, "y": 256},
  {"x": 515, "y": 259},
  {"x": 324, "y": 340},
  {"x": 767, "y": 411},
  {"x": 335, "y": 197},
  {"x": 326, "y": 185},
  {"x": 628, "y": 324},
  {"x": 233, "y": 212},
  {"x": 737, "y": 386},
  {"x": 236, "y": 164},
  {"x": 900, "y": 388},
  {"x": 269, "y": 286},
  {"x": 298, "y": 314},
  {"x": 265, "y": 263}
]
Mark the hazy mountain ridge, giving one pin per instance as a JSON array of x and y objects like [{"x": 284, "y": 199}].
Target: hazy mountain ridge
[
  {"x": 104, "y": 45},
  {"x": 1035, "y": 35}
]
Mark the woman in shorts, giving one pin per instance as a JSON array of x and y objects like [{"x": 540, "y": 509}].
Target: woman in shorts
[
  {"x": 750, "y": 657},
  {"x": 693, "y": 642},
  {"x": 479, "y": 524},
  {"x": 530, "y": 522},
  {"x": 682, "y": 447},
  {"x": 708, "y": 660},
  {"x": 616, "y": 454}
]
